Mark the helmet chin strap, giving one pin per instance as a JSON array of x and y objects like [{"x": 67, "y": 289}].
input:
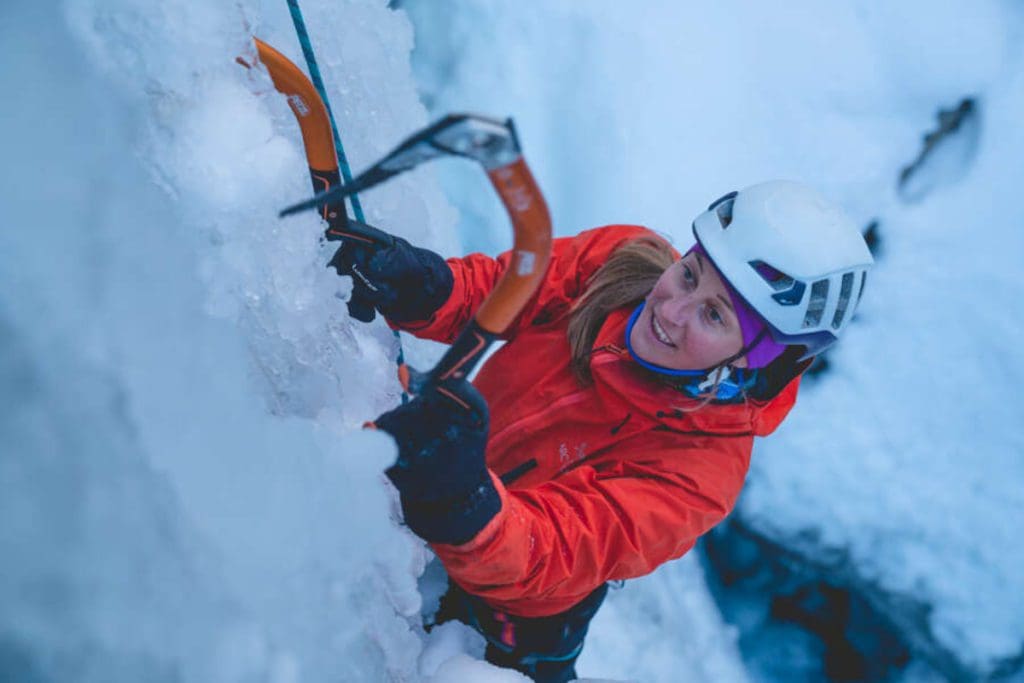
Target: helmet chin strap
[
  {"x": 746, "y": 349},
  {"x": 729, "y": 382}
]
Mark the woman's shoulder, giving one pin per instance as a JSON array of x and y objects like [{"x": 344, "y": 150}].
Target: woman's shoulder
[
  {"x": 585, "y": 252},
  {"x": 618, "y": 233}
]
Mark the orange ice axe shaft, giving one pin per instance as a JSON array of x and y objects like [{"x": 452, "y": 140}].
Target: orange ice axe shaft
[
  {"x": 531, "y": 252},
  {"x": 318, "y": 140},
  {"x": 314, "y": 124}
]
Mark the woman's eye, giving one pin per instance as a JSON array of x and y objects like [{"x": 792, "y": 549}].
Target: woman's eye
[
  {"x": 715, "y": 316},
  {"x": 688, "y": 275}
]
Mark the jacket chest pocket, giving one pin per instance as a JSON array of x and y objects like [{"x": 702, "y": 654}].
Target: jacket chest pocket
[{"x": 558, "y": 438}]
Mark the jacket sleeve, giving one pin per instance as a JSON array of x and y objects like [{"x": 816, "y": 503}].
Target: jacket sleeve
[
  {"x": 573, "y": 261},
  {"x": 562, "y": 539}
]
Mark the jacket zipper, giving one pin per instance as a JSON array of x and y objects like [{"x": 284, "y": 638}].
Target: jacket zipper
[{"x": 518, "y": 471}]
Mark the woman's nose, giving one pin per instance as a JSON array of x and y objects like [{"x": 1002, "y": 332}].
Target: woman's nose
[{"x": 678, "y": 309}]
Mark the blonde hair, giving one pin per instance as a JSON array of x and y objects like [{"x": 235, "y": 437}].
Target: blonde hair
[{"x": 625, "y": 279}]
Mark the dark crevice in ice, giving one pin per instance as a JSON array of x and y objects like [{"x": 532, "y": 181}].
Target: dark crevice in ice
[
  {"x": 947, "y": 152},
  {"x": 805, "y": 612}
]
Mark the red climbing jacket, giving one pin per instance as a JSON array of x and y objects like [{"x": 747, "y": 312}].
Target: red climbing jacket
[{"x": 597, "y": 483}]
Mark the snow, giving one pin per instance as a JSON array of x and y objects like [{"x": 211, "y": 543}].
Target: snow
[
  {"x": 462, "y": 667},
  {"x": 662, "y": 627},
  {"x": 924, "y": 487},
  {"x": 185, "y": 492}
]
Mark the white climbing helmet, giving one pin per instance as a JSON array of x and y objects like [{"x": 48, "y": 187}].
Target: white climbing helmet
[{"x": 796, "y": 258}]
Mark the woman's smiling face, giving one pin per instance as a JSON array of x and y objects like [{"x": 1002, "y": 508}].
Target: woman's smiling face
[{"x": 688, "y": 321}]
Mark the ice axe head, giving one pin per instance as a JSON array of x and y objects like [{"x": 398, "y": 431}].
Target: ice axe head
[{"x": 490, "y": 142}]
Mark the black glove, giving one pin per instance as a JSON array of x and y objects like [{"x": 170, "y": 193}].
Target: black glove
[
  {"x": 403, "y": 282},
  {"x": 447, "y": 492}
]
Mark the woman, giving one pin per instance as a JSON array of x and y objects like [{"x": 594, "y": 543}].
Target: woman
[{"x": 622, "y": 409}]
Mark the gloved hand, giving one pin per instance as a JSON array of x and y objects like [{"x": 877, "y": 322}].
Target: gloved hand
[
  {"x": 446, "y": 489},
  {"x": 403, "y": 282}
]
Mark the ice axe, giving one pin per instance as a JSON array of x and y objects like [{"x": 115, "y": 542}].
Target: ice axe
[
  {"x": 316, "y": 127},
  {"x": 494, "y": 145}
]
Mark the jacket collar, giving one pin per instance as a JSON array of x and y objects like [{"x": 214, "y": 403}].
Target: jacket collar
[{"x": 615, "y": 371}]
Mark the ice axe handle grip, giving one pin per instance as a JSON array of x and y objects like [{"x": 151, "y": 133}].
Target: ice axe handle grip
[
  {"x": 460, "y": 359},
  {"x": 360, "y": 232},
  {"x": 459, "y": 392}
]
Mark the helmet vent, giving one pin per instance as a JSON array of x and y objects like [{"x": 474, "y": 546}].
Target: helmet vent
[
  {"x": 788, "y": 291},
  {"x": 775, "y": 278},
  {"x": 723, "y": 209},
  {"x": 791, "y": 296},
  {"x": 845, "y": 291},
  {"x": 724, "y": 213},
  {"x": 816, "y": 307}
]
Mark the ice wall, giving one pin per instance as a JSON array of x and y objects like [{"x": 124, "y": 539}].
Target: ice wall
[{"x": 186, "y": 494}]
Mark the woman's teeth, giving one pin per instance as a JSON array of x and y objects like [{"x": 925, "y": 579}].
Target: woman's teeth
[{"x": 660, "y": 333}]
